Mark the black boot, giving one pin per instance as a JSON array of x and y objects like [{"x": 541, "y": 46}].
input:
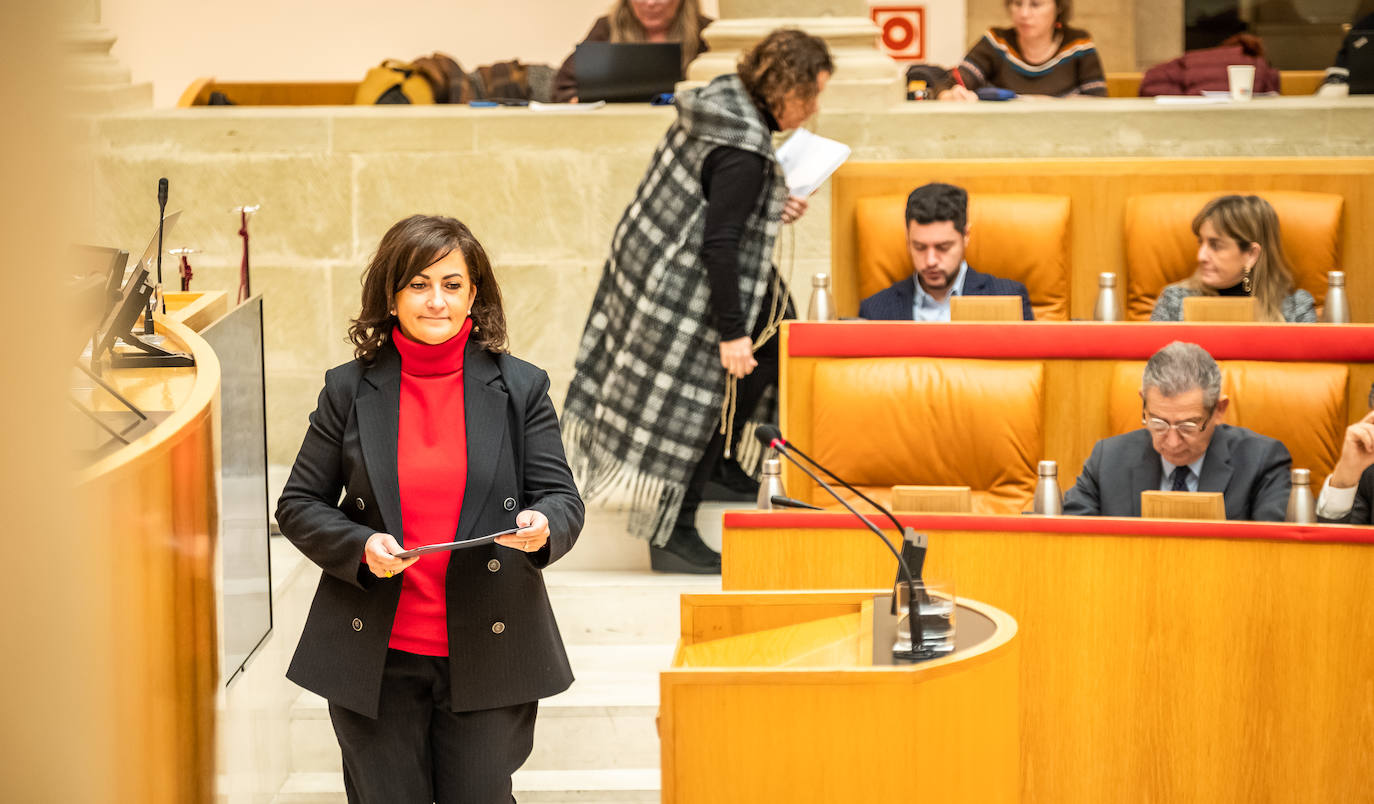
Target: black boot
[{"x": 684, "y": 552}]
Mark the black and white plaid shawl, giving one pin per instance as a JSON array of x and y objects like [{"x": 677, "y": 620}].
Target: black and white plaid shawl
[{"x": 648, "y": 385}]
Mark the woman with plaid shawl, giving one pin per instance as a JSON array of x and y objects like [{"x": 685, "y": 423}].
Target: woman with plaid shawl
[{"x": 679, "y": 348}]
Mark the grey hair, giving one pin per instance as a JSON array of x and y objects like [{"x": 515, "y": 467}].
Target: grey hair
[{"x": 1180, "y": 367}]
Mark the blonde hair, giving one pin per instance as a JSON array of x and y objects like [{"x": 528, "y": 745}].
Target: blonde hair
[
  {"x": 1248, "y": 219},
  {"x": 685, "y": 27}
]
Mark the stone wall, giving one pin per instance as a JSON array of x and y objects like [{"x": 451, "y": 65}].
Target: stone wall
[{"x": 543, "y": 193}]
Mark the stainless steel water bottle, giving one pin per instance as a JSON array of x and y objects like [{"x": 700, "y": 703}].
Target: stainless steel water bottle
[
  {"x": 1108, "y": 307},
  {"x": 1337, "y": 309},
  {"x": 771, "y": 484},
  {"x": 1302, "y": 509},
  {"x": 822, "y": 307},
  {"x": 1048, "y": 501}
]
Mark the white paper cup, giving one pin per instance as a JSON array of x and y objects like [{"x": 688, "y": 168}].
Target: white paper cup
[{"x": 1241, "y": 79}]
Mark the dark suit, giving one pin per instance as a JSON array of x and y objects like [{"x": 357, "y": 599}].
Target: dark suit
[
  {"x": 515, "y": 461},
  {"x": 1360, "y": 512},
  {"x": 1251, "y": 471},
  {"x": 894, "y": 304}
]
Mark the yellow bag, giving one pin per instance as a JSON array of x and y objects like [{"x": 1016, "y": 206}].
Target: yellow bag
[{"x": 394, "y": 81}]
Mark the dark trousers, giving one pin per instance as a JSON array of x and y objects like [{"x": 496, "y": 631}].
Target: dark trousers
[
  {"x": 419, "y": 751},
  {"x": 748, "y": 391}
]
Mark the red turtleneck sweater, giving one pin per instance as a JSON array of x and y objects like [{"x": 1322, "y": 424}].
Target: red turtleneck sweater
[{"x": 432, "y": 469}]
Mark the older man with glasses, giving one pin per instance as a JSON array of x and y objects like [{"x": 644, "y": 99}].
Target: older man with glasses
[
  {"x": 1348, "y": 495},
  {"x": 1184, "y": 446}
]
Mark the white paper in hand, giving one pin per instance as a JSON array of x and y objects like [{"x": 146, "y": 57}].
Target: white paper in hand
[{"x": 808, "y": 160}]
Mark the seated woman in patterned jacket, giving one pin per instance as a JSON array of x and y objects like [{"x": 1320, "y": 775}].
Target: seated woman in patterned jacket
[{"x": 1239, "y": 254}]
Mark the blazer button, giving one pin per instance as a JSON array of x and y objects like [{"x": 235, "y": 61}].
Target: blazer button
[
  {"x": 359, "y": 502},
  {"x": 357, "y": 624},
  {"x": 510, "y": 503},
  {"x": 493, "y": 565},
  {"x": 498, "y": 627}
]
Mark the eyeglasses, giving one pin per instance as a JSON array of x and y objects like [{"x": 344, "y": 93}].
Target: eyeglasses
[{"x": 1186, "y": 429}]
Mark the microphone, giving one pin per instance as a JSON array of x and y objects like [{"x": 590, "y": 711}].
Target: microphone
[
  {"x": 788, "y": 502},
  {"x": 161, "y": 216},
  {"x": 771, "y": 436}
]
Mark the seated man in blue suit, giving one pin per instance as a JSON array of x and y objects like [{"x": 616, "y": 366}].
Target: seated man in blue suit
[
  {"x": 1184, "y": 447},
  {"x": 937, "y": 234}
]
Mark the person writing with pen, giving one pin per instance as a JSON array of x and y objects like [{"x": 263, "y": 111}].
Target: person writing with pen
[{"x": 432, "y": 665}]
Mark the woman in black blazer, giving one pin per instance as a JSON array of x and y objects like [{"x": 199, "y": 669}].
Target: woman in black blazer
[{"x": 432, "y": 665}]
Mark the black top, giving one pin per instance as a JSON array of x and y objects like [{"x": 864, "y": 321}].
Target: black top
[
  {"x": 1237, "y": 289},
  {"x": 732, "y": 180}
]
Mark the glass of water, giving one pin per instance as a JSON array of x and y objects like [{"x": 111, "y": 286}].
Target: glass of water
[{"x": 933, "y": 634}]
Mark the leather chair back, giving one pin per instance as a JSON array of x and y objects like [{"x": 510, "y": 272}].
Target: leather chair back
[
  {"x": 1304, "y": 405},
  {"x": 1161, "y": 248},
  {"x": 1022, "y": 236},
  {"x": 881, "y": 422}
]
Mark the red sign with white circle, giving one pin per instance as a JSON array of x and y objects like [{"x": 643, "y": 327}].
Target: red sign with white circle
[{"x": 903, "y": 31}]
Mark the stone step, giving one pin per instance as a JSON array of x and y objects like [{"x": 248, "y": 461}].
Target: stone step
[
  {"x": 639, "y": 785},
  {"x": 606, "y": 720},
  {"x": 620, "y": 607}
]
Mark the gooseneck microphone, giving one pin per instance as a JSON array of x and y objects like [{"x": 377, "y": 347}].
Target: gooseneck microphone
[
  {"x": 148, "y": 328},
  {"x": 771, "y": 436}
]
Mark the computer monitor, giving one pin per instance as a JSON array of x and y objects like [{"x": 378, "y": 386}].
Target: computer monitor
[{"x": 626, "y": 72}]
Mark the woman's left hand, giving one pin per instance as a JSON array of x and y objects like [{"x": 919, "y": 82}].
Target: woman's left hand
[
  {"x": 533, "y": 533},
  {"x": 793, "y": 209}
]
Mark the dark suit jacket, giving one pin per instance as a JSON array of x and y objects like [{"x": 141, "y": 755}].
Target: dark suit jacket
[
  {"x": 894, "y": 304},
  {"x": 515, "y": 461},
  {"x": 1251, "y": 471},
  {"x": 1360, "y": 513}
]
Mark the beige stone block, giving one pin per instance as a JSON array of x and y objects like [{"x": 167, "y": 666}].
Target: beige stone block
[
  {"x": 290, "y": 400},
  {"x": 298, "y": 330},
  {"x": 346, "y": 293},
  {"x": 546, "y": 308},
  {"x": 389, "y": 129},
  {"x": 810, "y": 237},
  {"x": 305, "y": 204},
  {"x": 629, "y": 131},
  {"x": 524, "y": 205},
  {"x": 180, "y": 133}
]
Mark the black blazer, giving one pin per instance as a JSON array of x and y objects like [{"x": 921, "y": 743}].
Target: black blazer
[
  {"x": 1250, "y": 470},
  {"x": 1360, "y": 512},
  {"x": 504, "y": 645},
  {"x": 894, "y": 304}
]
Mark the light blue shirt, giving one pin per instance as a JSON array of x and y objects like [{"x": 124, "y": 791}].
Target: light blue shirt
[
  {"x": 925, "y": 308},
  {"x": 1167, "y": 484}
]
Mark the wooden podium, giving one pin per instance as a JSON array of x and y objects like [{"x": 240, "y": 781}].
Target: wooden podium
[
  {"x": 776, "y": 696},
  {"x": 1160, "y": 660}
]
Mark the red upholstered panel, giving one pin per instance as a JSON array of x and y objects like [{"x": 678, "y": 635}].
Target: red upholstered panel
[
  {"x": 1161, "y": 248},
  {"x": 1024, "y": 237}
]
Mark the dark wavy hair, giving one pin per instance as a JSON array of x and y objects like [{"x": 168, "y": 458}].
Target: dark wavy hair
[
  {"x": 786, "y": 61},
  {"x": 409, "y": 247}
]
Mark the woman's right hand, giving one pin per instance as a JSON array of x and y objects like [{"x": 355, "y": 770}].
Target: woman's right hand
[
  {"x": 957, "y": 93},
  {"x": 379, "y": 555},
  {"x": 737, "y": 356}
]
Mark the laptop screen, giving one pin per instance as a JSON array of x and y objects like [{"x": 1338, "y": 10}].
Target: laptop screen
[{"x": 626, "y": 72}]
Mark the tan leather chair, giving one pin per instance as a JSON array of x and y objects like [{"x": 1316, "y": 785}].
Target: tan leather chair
[
  {"x": 1301, "y": 404},
  {"x": 881, "y": 422},
  {"x": 1161, "y": 248},
  {"x": 1021, "y": 236}
]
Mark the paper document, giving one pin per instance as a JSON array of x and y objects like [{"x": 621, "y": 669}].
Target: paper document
[
  {"x": 446, "y": 546},
  {"x": 808, "y": 160}
]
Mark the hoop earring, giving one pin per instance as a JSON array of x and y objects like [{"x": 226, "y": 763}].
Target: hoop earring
[{"x": 1245, "y": 280}]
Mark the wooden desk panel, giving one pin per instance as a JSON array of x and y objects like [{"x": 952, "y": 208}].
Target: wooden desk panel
[
  {"x": 156, "y": 518},
  {"x": 1158, "y": 663},
  {"x": 833, "y": 734},
  {"x": 1079, "y": 359}
]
